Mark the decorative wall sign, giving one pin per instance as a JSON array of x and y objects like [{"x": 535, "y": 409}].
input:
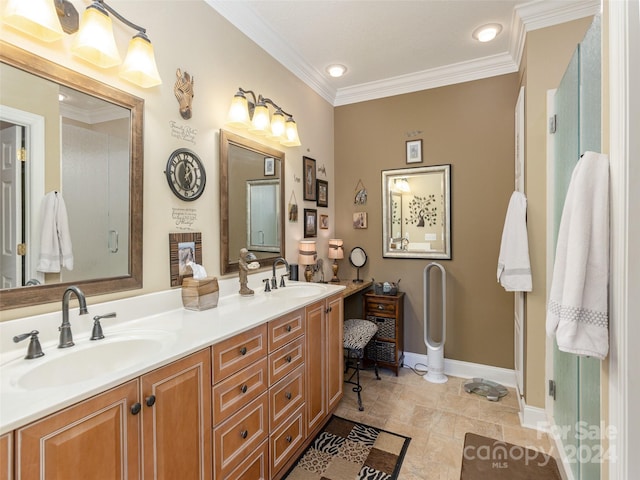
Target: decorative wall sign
[
  {"x": 183, "y": 132},
  {"x": 184, "y": 218},
  {"x": 183, "y": 248},
  {"x": 309, "y": 172},
  {"x": 183, "y": 90}
]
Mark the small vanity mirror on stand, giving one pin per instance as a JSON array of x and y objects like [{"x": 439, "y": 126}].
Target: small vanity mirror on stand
[{"x": 358, "y": 258}]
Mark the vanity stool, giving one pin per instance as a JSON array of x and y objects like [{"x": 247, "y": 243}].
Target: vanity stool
[{"x": 357, "y": 335}]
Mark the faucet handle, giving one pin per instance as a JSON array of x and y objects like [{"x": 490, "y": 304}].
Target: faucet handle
[
  {"x": 34, "y": 350},
  {"x": 266, "y": 281},
  {"x": 97, "y": 334},
  {"x": 282, "y": 284}
]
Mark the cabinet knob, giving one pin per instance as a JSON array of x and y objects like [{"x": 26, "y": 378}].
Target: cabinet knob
[
  {"x": 135, "y": 408},
  {"x": 288, "y": 328},
  {"x": 288, "y": 395},
  {"x": 288, "y": 358},
  {"x": 288, "y": 439},
  {"x": 150, "y": 400},
  {"x": 243, "y": 388},
  {"x": 243, "y": 351},
  {"x": 244, "y": 433}
]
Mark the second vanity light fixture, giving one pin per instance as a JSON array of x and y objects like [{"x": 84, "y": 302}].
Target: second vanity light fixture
[{"x": 255, "y": 116}]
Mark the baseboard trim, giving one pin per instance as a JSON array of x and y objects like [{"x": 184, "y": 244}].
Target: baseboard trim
[
  {"x": 532, "y": 417},
  {"x": 462, "y": 369}
]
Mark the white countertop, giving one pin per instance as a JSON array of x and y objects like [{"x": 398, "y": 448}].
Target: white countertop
[{"x": 161, "y": 312}]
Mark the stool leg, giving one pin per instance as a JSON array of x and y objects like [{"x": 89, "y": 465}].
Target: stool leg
[{"x": 358, "y": 387}]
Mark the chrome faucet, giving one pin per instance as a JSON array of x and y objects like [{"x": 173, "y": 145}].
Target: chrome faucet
[
  {"x": 66, "y": 338},
  {"x": 274, "y": 281}
]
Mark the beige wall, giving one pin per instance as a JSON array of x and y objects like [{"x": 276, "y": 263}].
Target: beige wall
[
  {"x": 469, "y": 126},
  {"x": 191, "y": 36},
  {"x": 548, "y": 52}
]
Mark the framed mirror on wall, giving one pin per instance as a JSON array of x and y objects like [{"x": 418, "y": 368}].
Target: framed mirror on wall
[{"x": 416, "y": 212}]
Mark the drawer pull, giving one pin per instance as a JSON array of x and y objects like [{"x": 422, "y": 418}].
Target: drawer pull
[
  {"x": 288, "y": 395},
  {"x": 243, "y": 351},
  {"x": 244, "y": 388},
  {"x": 135, "y": 408},
  {"x": 380, "y": 307},
  {"x": 288, "y": 358},
  {"x": 150, "y": 400},
  {"x": 288, "y": 328},
  {"x": 244, "y": 433},
  {"x": 289, "y": 438}
]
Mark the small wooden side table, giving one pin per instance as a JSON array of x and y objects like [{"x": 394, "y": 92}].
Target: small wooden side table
[{"x": 386, "y": 311}]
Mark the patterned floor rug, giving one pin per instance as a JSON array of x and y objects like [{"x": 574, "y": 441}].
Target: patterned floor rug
[{"x": 347, "y": 450}]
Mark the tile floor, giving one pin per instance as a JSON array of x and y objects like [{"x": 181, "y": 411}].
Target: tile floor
[{"x": 436, "y": 417}]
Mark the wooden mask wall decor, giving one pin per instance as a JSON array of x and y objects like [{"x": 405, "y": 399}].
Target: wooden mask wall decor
[{"x": 183, "y": 90}]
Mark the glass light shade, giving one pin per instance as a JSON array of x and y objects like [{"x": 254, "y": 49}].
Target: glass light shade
[
  {"x": 307, "y": 252},
  {"x": 277, "y": 125},
  {"x": 139, "y": 65},
  {"x": 260, "y": 123},
  {"x": 335, "y": 248},
  {"x": 37, "y": 18},
  {"x": 402, "y": 185},
  {"x": 291, "y": 138},
  {"x": 239, "y": 112},
  {"x": 94, "y": 41}
]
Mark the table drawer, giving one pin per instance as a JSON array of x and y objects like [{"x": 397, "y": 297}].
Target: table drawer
[
  {"x": 254, "y": 467},
  {"x": 239, "y": 389},
  {"x": 285, "y": 329},
  {"x": 240, "y": 435},
  {"x": 378, "y": 306},
  {"x": 235, "y": 353},
  {"x": 286, "y": 440},
  {"x": 286, "y": 396},
  {"x": 285, "y": 360}
]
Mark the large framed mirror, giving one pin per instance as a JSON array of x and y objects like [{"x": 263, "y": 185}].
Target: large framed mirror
[
  {"x": 82, "y": 145},
  {"x": 251, "y": 201},
  {"x": 416, "y": 212}
]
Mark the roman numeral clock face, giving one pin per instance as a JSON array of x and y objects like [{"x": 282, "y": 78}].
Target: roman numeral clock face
[{"x": 185, "y": 174}]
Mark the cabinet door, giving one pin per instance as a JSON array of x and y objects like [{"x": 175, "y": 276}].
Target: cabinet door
[
  {"x": 95, "y": 439},
  {"x": 176, "y": 419},
  {"x": 315, "y": 365},
  {"x": 6, "y": 456},
  {"x": 335, "y": 351}
]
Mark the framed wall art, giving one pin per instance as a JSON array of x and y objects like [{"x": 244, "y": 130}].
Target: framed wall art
[
  {"x": 269, "y": 166},
  {"x": 184, "y": 248},
  {"x": 360, "y": 220},
  {"x": 310, "y": 223},
  {"x": 324, "y": 222},
  {"x": 414, "y": 151},
  {"x": 309, "y": 172},
  {"x": 322, "y": 189}
]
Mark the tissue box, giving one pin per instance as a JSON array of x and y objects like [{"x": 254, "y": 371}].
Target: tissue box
[{"x": 200, "y": 294}]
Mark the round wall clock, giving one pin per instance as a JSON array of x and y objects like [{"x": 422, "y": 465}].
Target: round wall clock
[{"x": 185, "y": 174}]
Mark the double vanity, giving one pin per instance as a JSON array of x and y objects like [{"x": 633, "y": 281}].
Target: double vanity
[{"x": 233, "y": 392}]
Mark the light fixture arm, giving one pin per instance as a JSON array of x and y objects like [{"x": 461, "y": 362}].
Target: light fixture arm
[
  {"x": 261, "y": 99},
  {"x": 121, "y": 18}
]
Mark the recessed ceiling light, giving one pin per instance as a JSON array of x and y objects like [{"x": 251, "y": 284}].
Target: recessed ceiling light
[
  {"x": 336, "y": 70},
  {"x": 486, "y": 33}
]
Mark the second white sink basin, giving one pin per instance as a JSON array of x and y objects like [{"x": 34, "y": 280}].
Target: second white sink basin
[
  {"x": 90, "y": 360},
  {"x": 297, "y": 290}
]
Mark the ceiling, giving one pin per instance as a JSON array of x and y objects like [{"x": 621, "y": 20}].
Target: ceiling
[{"x": 392, "y": 47}]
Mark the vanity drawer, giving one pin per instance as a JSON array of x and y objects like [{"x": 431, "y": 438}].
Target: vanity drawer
[
  {"x": 286, "y": 396},
  {"x": 235, "y": 353},
  {"x": 286, "y": 440},
  {"x": 239, "y": 389},
  {"x": 240, "y": 435},
  {"x": 285, "y": 360},
  {"x": 285, "y": 329},
  {"x": 254, "y": 467}
]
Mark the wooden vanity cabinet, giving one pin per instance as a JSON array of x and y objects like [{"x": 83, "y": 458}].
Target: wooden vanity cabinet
[
  {"x": 165, "y": 414},
  {"x": 6, "y": 456}
]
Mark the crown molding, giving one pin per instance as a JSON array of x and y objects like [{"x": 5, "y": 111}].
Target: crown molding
[{"x": 541, "y": 14}]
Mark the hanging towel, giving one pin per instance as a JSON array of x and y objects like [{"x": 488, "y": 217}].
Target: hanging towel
[
  {"x": 577, "y": 312},
  {"x": 514, "y": 269},
  {"x": 55, "y": 240}
]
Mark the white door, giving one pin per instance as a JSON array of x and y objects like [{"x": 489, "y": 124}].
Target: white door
[{"x": 10, "y": 204}]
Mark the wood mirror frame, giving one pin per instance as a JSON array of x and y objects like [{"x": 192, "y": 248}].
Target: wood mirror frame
[
  {"x": 228, "y": 260},
  {"x": 39, "y": 294}
]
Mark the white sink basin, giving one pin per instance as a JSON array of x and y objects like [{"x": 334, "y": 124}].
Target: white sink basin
[
  {"x": 297, "y": 290},
  {"x": 89, "y": 360}
]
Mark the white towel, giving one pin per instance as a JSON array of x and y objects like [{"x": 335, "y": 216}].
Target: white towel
[
  {"x": 578, "y": 303},
  {"x": 514, "y": 268},
  {"x": 55, "y": 240}
]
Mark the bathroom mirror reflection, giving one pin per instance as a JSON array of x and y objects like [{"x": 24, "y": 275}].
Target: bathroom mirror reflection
[
  {"x": 416, "y": 212},
  {"x": 81, "y": 142},
  {"x": 251, "y": 201}
]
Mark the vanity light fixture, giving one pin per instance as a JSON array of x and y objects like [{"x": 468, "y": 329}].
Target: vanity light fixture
[
  {"x": 37, "y": 18},
  {"x": 336, "y": 251},
  {"x": 254, "y": 115},
  {"x": 486, "y": 33},
  {"x": 307, "y": 256},
  {"x": 95, "y": 43},
  {"x": 336, "y": 70}
]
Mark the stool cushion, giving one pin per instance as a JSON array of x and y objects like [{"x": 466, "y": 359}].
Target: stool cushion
[{"x": 357, "y": 333}]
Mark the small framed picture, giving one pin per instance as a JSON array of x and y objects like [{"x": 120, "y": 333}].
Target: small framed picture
[
  {"x": 360, "y": 220},
  {"x": 184, "y": 248},
  {"x": 310, "y": 222},
  {"x": 414, "y": 151},
  {"x": 324, "y": 221},
  {"x": 323, "y": 193},
  {"x": 269, "y": 166},
  {"x": 309, "y": 171}
]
